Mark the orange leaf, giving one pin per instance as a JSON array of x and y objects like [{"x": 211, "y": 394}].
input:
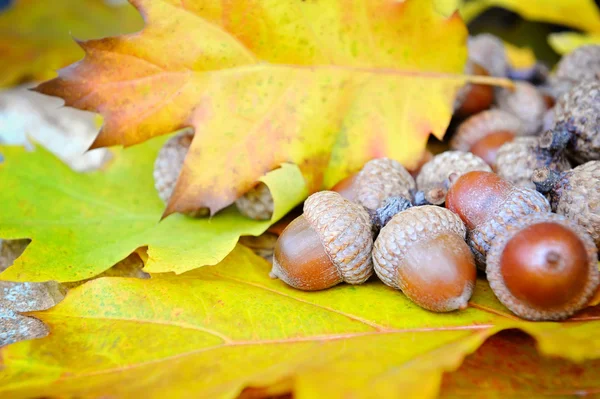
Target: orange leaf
[{"x": 326, "y": 85}]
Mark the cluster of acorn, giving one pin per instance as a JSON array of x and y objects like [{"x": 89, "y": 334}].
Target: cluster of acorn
[{"x": 509, "y": 168}]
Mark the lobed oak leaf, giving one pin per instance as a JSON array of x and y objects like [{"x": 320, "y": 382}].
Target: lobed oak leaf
[
  {"x": 82, "y": 224},
  {"x": 216, "y": 330},
  {"x": 36, "y": 36},
  {"x": 325, "y": 84}
]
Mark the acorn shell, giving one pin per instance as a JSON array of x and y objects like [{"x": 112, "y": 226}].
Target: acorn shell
[
  {"x": 577, "y": 196},
  {"x": 435, "y": 173},
  {"x": 345, "y": 232},
  {"x": 516, "y": 161},
  {"x": 496, "y": 280},
  {"x": 580, "y": 110},
  {"x": 482, "y": 124},
  {"x": 519, "y": 202},
  {"x": 526, "y": 103},
  {"x": 488, "y": 51},
  {"x": 257, "y": 203},
  {"x": 381, "y": 179}
]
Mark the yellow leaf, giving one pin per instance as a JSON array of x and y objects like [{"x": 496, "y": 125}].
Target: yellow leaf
[
  {"x": 565, "y": 42},
  {"x": 326, "y": 85},
  {"x": 519, "y": 57}
]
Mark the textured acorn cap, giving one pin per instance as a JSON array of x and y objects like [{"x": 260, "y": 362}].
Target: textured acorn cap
[
  {"x": 583, "y": 63},
  {"x": 526, "y": 103},
  {"x": 345, "y": 232},
  {"x": 256, "y": 203},
  {"x": 435, "y": 174},
  {"x": 579, "y": 111},
  {"x": 488, "y": 51},
  {"x": 519, "y": 202},
  {"x": 381, "y": 179},
  {"x": 498, "y": 285},
  {"x": 577, "y": 196},
  {"x": 516, "y": 161},
  {"x": 482, "y": 124}
]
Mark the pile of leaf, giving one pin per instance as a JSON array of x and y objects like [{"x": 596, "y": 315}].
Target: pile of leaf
[{"x": 298, "y": 94}]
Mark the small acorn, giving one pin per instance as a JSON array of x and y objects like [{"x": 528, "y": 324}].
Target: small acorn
[
  {"x": 489, "y": 52},
  {"x": 516, "y": 161},
  {"x": 582, "y": 64},
  {"x": 329, "y": 243},
  {"x": 257, "y": 203},
  {"x": 487, "y": 203},
  {"x": 381, "y": 179},
  {"x": 422, "y": 252},
  {"x": 436, "y": 175},
  {"x": 526, "y": 103},
  {"x": 483, "y": 133},
  {"x": 472, "y": 97},
  {"x": 578, "y": 112},
  {"x": 168, "y": 165},
  {"x": 543, "y": 267},
  {"x": 574, "y": 194},
  {"x": 347, "y": 187}
]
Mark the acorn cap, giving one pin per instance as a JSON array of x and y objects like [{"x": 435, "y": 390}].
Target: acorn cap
[
  {"x": 482, "y": 124},
  {"x": 518, "y": 203},
  {"x": 578, "y": 110},
  {"x": 435, "y": 174},
  {"x": 381, "y": 179},
  {"x": 530, "y": 310},
  {"x": 583, "y": 63},
  {"x": 576, "y": 195},
  {"x": 345, "y": 232},
  {"x": 256, "y": 203},
  {"x": 526, "y": 103},
  {"x": 168, "y": 165},
  {"x": 516, "y": 161},
  {"x": 488, "y": 51}
]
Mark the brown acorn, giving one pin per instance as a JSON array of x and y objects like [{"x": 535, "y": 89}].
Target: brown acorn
[
  {"x": 437, "y": 175},
  {"x": 472, "y": 97},
  {"x": 516, "y": 161},
  {"x": 329, "y": 243},
  {"x": 422, "y": 252},
  {"x": 574, "y": 194},
  {"x": 168, "y": 165},
  {"x": 526, "y": 103},
  {"x": 487, "y": 203},
  {"x": 381, "y": 179},
  {"x": 578, "y": 112},
  {"x": 483, "y": 133},
  {"x": 256, "y": 203},
  {"x": 543, "y": 267}
]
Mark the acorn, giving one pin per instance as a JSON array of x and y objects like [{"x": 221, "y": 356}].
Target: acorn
[
  {"x": 168, "y": 165},
  {"x": 578, "y": 112},
  {"x": 483, "y": 133},
  {"x": 516, "y": 161},
  {"x": 574, "y": 194},
  {"x": 543, "y": 267},
  {"x": 472, "y": 97},
  {"x": 329, "y": 243},
  {"x": 346, "y": 187},
  {"x": 526, "y": 103},
  {"x": 436, "y": 175},
  {"x": 257, "y": 203},
  {"x": 487, "y": 203},
  {"x": 381, "y": 179},
  {"x": 422, "y": 252},
  {"x": 488, "y": 51}
]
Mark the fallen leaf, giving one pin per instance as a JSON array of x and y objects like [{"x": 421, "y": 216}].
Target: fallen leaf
[
  {"x": 215, "y": 331},
  {"x": 580, "y": 14},
  {"x": 36, "y": 37},
  {"x": 326, "y": 85},
  {"x": 519, "y": 57},
  {"x": 565, "y": 42},
  {"x": 82, "y": 224}
]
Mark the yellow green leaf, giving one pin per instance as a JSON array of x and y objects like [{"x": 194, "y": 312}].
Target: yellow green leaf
[
  {"x": 36, "y": 37},
  {"x": 213, "y": 331},
  {"x": 580, "y": 14},
  {"x": 326, "y": 85},
  {"x": 565, "y": 42},
  {"x": 519, "y": 57},
  {"x": 82, "y": 224}
]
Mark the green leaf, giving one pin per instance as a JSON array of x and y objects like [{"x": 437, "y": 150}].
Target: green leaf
[{"x": 82, "y": 224}]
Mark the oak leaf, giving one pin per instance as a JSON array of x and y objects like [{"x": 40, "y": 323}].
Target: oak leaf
[
  {"x": 82, "y": 224},
  {"x": 216, "y": 330},
  {"x": 326, "y": 85},
  {"x": 36, "y": 37}
]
